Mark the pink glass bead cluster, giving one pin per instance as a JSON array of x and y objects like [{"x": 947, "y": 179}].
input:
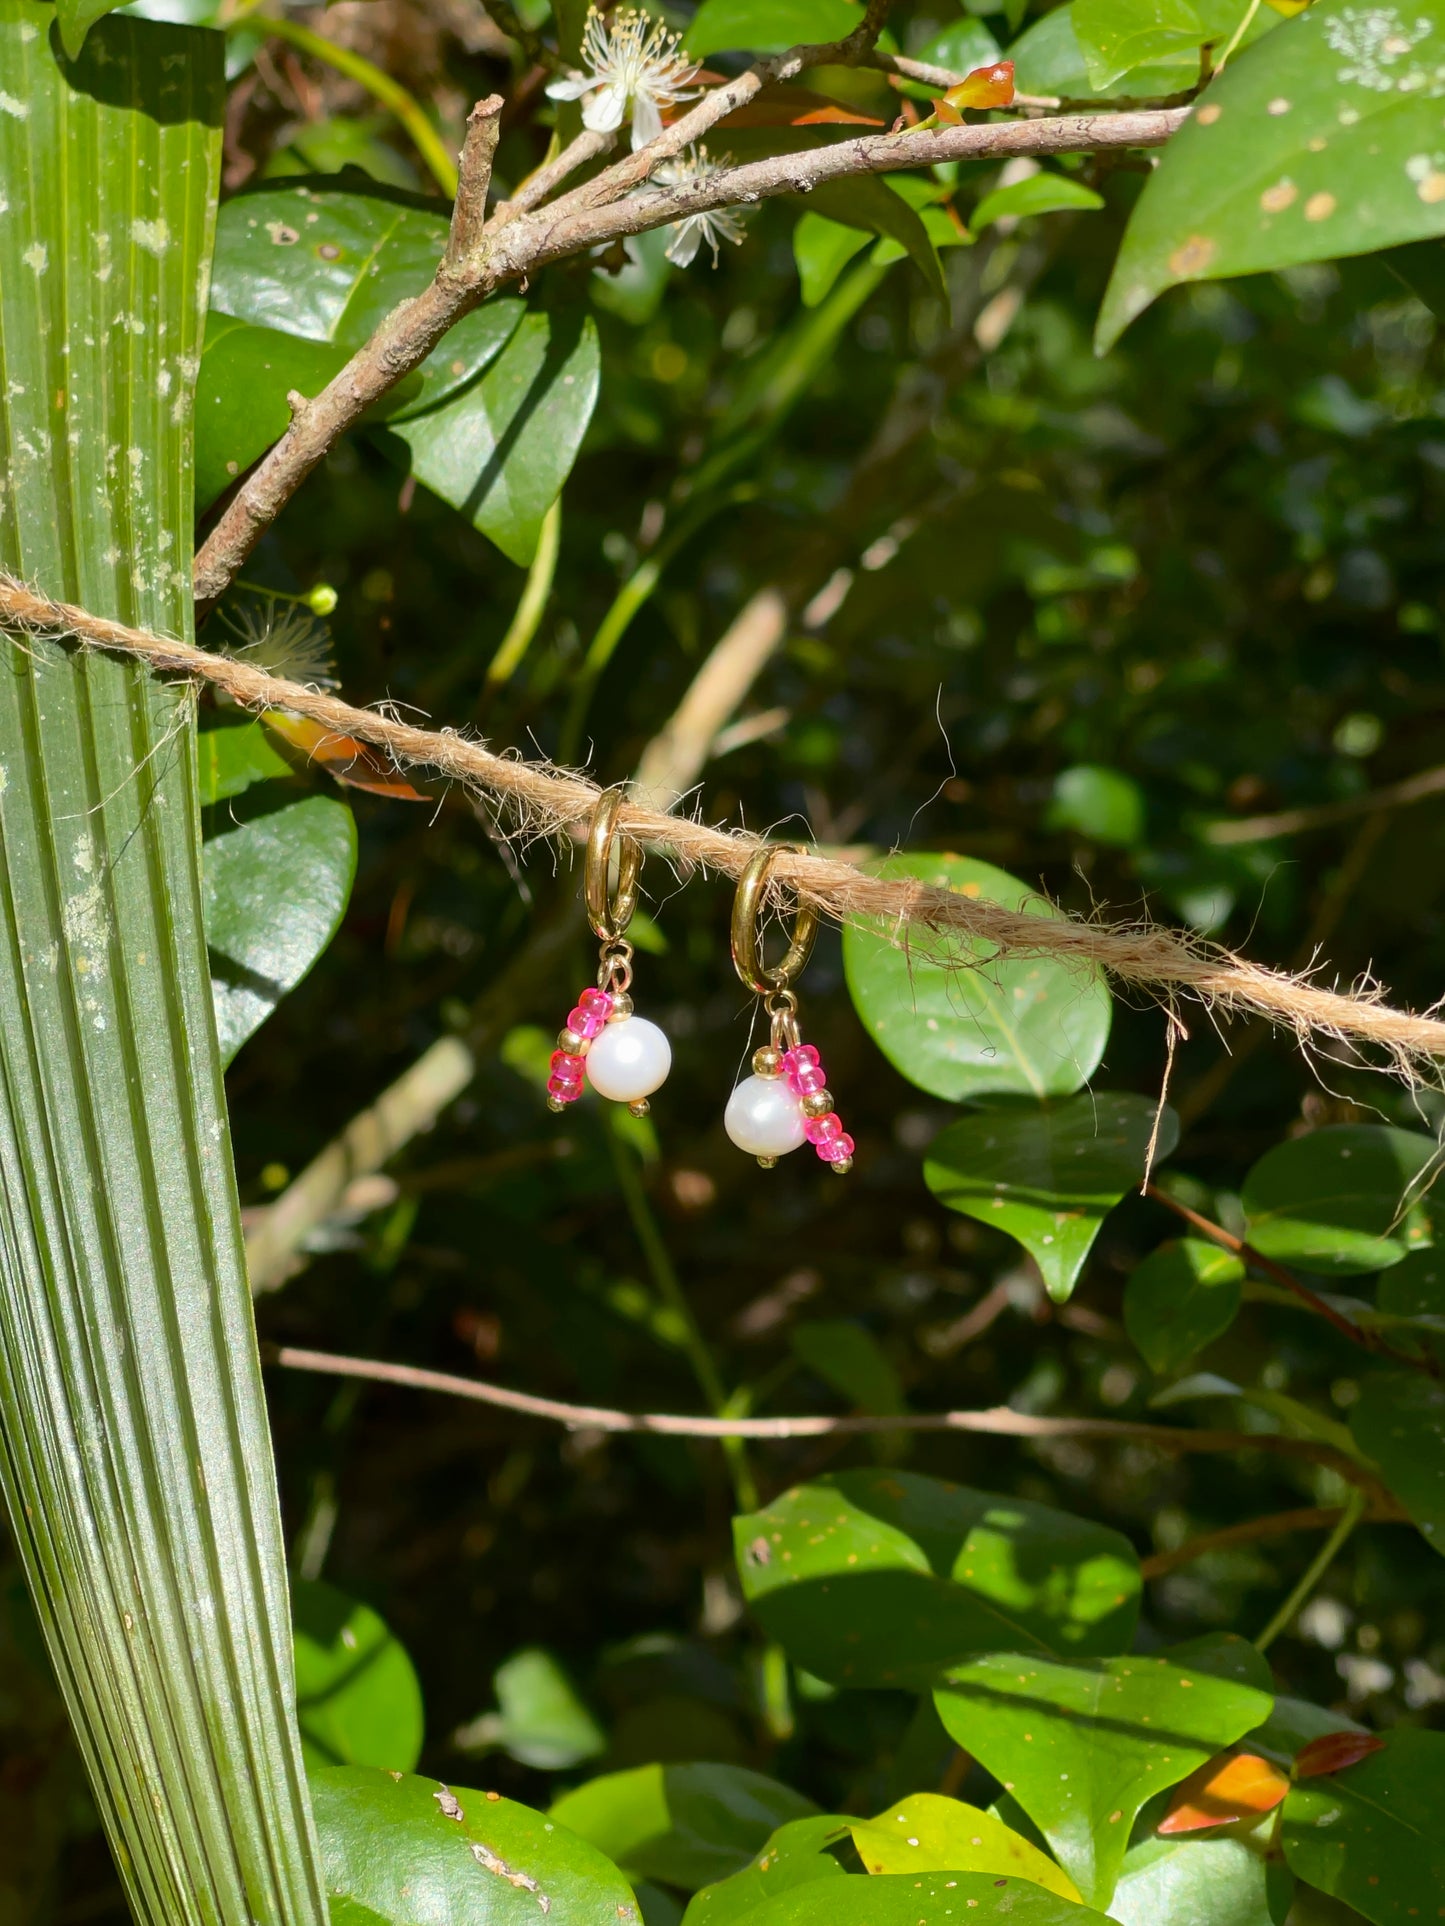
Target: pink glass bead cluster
[
  {"x": 588, "y": 1020},
  {"x": 803, "y": 1069}
]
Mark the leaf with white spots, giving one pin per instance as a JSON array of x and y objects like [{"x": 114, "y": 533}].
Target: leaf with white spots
[
  {"x": 1371, "y": 1835},
  {"x": 1182, "y": 1297},
  {"x": 1400, "y": 1421},
  {"x": 1082, "y": 1747},
  {"x": 930, "y": 1833},
  {"x": 885, "y": 1578},
  {"x": 957, "y": 1020},
  {"x": 899, "y": 1899},
  {"x": 1342, "y": 1200},
  {"x": 1050, "y": 1175},
  {"x": 1329, "y": 141}
]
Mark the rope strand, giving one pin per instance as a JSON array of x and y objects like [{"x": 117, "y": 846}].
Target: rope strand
[{"x": 551, "y": 802}]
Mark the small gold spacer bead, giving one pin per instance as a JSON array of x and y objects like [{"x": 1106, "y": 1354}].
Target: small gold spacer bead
[
  {"x": 569, "y": 1042},
  {"x": 842, "y": 1166},
  {"x": 621, "y": 1006},
  {"x": 819, "y": 1104},
  {"x": 556, "y": 1103},
  {"x": 639, "y": 1106},
  {"x": 767, "y": 1163},
  {"x": 767, "y": 1062}
]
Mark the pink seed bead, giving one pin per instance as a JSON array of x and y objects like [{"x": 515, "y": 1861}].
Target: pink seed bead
[
  {"x": 586, "y": 1023},
  {"x": 794, "y": 1059},
  {"x": 823, "y": 1130},
  {"x": 566, "y": 1069},
  {"x": 835, "y": 1151},
  {"x": 809, "y": 1079},
  {"x": 563, "y": 1092},
  {"x": 596, "y": 1000}
]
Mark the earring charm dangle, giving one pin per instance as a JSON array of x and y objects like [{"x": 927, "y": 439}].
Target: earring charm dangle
[
  {"x": 786, "y": 1102},
  {"x": 621, "y": 1055}
]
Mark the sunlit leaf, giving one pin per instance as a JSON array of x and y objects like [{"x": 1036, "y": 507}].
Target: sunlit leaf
[
  {"x": 929, "y": 1833},
  {"x": 357, "y": 1696},
  {"x": 1230, "y": 1878},
  {"x": 540, "y": 1720},
  {"x": 1116, "y": 36},
  {"x": 1341, "y": 1200},
  {"x": 1181, "y": 1298},
  {"x": 793, "y": 1856},
  {"x": 768, "y": 26},
  {"x": 1241, "y": 1786},
  {"x": 685, "y": 1825},
  {"x": 354, "y": 763}
]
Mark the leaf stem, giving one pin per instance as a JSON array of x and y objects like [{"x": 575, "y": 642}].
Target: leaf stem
[
  {"x": 392, "y": 95},
  {"x": 525, "y": 622},
  {"x": 1319, "y": 1565}
]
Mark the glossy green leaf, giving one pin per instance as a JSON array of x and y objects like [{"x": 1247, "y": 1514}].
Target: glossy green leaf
[
  {"x": 233, "y": 755},
  {"x": 1325, "y": 143},
  {"x": 1182, "y": 1297},
  {"x": 278, "y": 875},
  {"x": 1048, "y": 59},
  {"x": 500, "y": 450},
  {"x": 869, "y": 202},
  {"x": 1371, "y": 1835},
  {"x": 1049, "y": 1176},
  {"x": 137, "y": 1462},
  {"x": 685, "y": 1825},
  {"x": 357, "y": 1696},
  {"x": 886, "y": 1578},
  {"x": 822, "y": 249},
  {"x": 795, "y": 1855},
  {"x": 75, "y": 19},
  {"x": 930, "y": 1833},
  {"x": 241, "y": 408},
  {"x": 540, "y": 1721},
  {"x": 1219, "y": 1879},
  {"x": 330, "y": 262},
  {"x": 1415, "y": 1287},
  {"x": 1082, "y": 1747},
  {"x": 768, "y": 26},
  {"x": 1342, "y": 1200},
  {"x": 850, "y": 1359},
  {"x": 414, "y": 1852},
  {"x": 1291, "y": 1725},
  {"x": 1399, "y": 1420},
  {"x": 937, "y": 1899},
  {"x": 962, "y": 46},
  {"x": 1103, "y": 804},
  {"x": 959, "y": 1023},
  {"x": 1116, "y": 36}
]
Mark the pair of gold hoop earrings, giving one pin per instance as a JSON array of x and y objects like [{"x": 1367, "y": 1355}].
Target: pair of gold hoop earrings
[{"x": 786, "y": 1102}]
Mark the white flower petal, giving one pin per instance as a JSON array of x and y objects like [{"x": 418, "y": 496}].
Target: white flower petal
[
  {"x": 686, "y": 239},
  {"x": 646, "y": 121},
  {"x": 572, "y": 87},
  {"x": 603, "y": 113}
]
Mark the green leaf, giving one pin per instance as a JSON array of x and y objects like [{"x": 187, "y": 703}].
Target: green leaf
[
  {"x": 1082, "y": 1747},
  {"x": 329, "y": 262},
  {"x": 1415, "y": 1287},
  {"x": 137, "y": 1466},
  {"x": 960, "y": 1023},
  {"x": 1103, "y": 804},
  {"x": 850, "y": 1359},
  {"x": 1371, "y": 1835},
  {"x": 1399, "y": 1420},
  {"x": 76, "y": 18},
  {"x": 1325, "y": 144},
  {"x": 870, "y": 203},
  {"x": 241, "y": 408},
  {"x": 1342, "y": 1200},
  {"x": 886, "y": 1578},
  {"x": 1042, "y": 193},
  {"x": 231, "y": 756},
  {"x": 682, "y": 1824},
  {"x": 1116, "y": 36},
  {"x": 1218, "y": 1879},
  {"x": 937, "y": 1899},
  {"x": 793, "y": 1856},
  {"x": 415, "y": 1853},
  {"x": 822, "y": 249},
  {"x": 1049, "y": 1176},
  {"x": 1183, "y": 1296},
  {"x": 929, "y": 1833},
  {"x": 1048, "y": 59},
  {"x": 278, "y": 875},
  {"x": 500, "y": 451},
  {"x": 542, "y": 1722},
  {"x": 962, "y": 46},
  {"x": 357, "y": 1696},
  {"x": 768, "y": 26}
]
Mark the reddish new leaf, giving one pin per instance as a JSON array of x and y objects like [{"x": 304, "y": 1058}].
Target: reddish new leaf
[
  {"x": 1240, "y": 1785},
  {"x": 1333, "y": 1751},
  {"x": 342, "y": 757},
  {"x": 991, "y": 86}
]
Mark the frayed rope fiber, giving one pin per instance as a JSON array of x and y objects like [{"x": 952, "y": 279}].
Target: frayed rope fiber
[{"x": 557, "y": 803}]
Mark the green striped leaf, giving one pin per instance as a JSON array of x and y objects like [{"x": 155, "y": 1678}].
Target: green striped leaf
[{"x": 134, "y": 1452}]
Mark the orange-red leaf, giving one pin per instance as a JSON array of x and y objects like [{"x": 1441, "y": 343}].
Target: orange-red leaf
[
  {"x": 349, "y": 761},
  {"x": 984, "y": 87},
  {"x": 1333, "y": 1751},
  {"x": 792, "y": 107},
  {"x": 1239, "y": 1786}
]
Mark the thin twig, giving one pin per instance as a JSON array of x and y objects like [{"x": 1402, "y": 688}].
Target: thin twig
[
  {"x": 1246, "y": 1252},
  {"x": 1292, "y": 822},
  {"x": 999, "y": 1421},
  {"x": 546, "y": 179},
  {"x": 469, "y": 216},
  {"x": 1253, "y": 1531},
  {"x": 929, "y": 75}
]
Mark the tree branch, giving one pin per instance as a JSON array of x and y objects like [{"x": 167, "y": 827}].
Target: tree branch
[
  {"x": 1000, "y": 1421},
  {"x": 574, "y": 225},
  {"x": 469, "y": 216}
]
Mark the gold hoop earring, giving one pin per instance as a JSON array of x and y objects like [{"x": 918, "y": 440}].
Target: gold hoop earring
[
  {"x": 786, "y": 1102},
  {"x": 621, "y": 1055}
]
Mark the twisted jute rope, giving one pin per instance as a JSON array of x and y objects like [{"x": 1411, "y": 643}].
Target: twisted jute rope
[{"x": 549, "y": 802}]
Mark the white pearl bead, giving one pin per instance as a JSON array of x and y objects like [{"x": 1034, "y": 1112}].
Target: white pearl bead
[
  {"x": 629, "y": 1060},
  {"x": 764, "y": 1117}
]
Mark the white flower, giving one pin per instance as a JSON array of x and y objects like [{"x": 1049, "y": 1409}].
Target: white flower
[
  {"x": 712, "y": 224},
  {"x": 632, "y": 61}
]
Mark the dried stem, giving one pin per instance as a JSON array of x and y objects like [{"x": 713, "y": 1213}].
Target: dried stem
[{"x": 469, "y": 216}]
